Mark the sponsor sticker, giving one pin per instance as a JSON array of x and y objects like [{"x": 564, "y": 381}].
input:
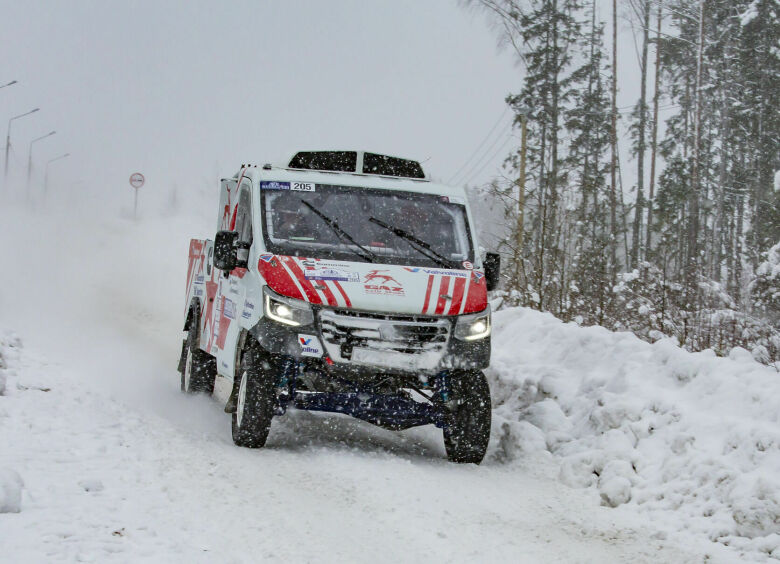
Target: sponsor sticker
[
  {"x": 467, "y": 265},
  {"x": 455, "y": 273},
  {"x": 198, "y": 292},
  {"x": 478, "y": 275},
  {"x": 266, "y": 257},
  {"x": 229, "y": 309},
  {"x": 249, "y": 309},
  {"x": 302, "y": 186},
  {"x": 199, "y": 279},
  {"x": 274, "y": 185},
  {"x": 330, "y": 274},
  {"x": 310, "y": 345},
  {"x": 378, "y": 282}
]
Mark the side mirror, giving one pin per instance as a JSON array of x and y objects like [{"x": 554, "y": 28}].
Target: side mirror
[
  {"x": 225, "y": 252},
  {"x": 492, "y": 269}
]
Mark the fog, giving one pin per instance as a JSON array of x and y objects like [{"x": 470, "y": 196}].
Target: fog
[{"x": 186, "y": 91}]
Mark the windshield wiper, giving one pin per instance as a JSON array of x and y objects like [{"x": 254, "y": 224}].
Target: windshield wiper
[
  {"x": 418, "y": 244},
  {"x": 368, "y": 256}
]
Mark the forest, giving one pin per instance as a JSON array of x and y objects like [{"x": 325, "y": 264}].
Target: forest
[{"x": 680, "y": 240}]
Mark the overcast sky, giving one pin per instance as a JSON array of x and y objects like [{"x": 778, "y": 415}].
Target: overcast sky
[{"x": 187, "y": 91}]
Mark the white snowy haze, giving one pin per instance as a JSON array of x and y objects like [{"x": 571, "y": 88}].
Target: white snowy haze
[{"x": 187, "y": 91}]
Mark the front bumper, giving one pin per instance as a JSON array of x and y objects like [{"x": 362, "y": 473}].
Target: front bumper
[{"x": 363, "y": 346}]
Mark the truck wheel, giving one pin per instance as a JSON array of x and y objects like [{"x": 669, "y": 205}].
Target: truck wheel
[
  {"x": 200, "y": 368},
  {"x": 466, "y": 438},
  {"x": 254, "y": 402}
]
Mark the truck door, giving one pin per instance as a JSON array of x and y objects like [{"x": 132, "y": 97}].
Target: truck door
[{"x": 232, "y": 289}]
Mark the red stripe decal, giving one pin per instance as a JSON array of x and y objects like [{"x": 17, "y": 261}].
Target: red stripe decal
[
  {"x": 457, "y": 295},
  {"x": 277, "y": 278},
  {"x": 443, "y": 287},
  {"x": 343, "y": 293},
  {"x": 322, "y": 286},
  {"x": 428, "y": 293},
  {"x": 313, "y": 296},
  {"x": 476, "y": 299}
]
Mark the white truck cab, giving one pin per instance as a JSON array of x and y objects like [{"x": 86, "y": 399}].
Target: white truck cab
[{"x": 344, "y": 281}]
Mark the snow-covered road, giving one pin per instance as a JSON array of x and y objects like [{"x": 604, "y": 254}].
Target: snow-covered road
[{"x": 119, "y": 466}]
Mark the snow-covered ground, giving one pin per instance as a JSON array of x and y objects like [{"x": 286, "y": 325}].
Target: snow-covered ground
[
  {"x": 106, "y": 461},
  {"x": 690, "y": 440}
]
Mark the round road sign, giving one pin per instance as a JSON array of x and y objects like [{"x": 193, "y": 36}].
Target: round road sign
[{"x": 137, "y": 180}]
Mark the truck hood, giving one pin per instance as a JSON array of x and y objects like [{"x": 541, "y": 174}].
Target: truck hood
[{"x": 376, "y": 287}]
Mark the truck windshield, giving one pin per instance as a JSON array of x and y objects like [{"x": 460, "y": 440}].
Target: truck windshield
[{"x": 291, "y": 227}]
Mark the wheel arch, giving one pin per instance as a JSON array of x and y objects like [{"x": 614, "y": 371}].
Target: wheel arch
[{"x": 192, "y": 313}]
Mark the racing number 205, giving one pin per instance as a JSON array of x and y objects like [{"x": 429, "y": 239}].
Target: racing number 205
[{"x": 302, "y": 186}]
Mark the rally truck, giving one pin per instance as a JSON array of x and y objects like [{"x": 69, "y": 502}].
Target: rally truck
[{"x": 343, "y": 282}]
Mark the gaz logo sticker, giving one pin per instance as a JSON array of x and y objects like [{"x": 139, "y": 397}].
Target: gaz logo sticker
[
  {"x": 302, "y": 186},
  {"x": 376, "y": 282},
  {"x": 310, "y": 345}
]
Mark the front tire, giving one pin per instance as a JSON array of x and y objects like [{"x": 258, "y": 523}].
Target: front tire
[
  {"x": 466, "y": 438},
  {"x": 255, "y": 400},
  {"x": 200, "y": 368}
]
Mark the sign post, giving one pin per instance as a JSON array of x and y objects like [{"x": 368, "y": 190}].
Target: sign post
[{"x": 136, "y": 181}]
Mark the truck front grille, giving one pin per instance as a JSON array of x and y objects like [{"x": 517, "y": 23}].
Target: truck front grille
[{"x": 345, "y": 330}]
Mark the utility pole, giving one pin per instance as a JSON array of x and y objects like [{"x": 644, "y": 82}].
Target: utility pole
[
  {"x": 521, "y": 193},
  {"x": 654, "y": 141},
  {"x": 613, "y": 145}
]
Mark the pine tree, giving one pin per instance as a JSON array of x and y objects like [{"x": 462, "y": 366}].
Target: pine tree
[{"x": 588, "y": 123}]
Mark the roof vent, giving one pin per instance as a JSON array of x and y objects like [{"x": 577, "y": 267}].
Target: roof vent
[{"x": 357, "y": 161}]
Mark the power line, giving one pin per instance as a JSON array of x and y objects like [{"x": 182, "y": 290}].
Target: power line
[
  {"x": 492, "y": 129},
  {"x": 506, "y": 134},
  {"x": 493, "y": 156}
]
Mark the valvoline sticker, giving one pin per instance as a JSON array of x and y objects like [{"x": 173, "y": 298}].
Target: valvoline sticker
[
  {"x": 274, "y": 185},
  {"x": 310, "y": 345}
]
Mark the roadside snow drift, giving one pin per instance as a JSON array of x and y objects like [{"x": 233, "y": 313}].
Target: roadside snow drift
[
  {"x": 690, "y": 439},
  {"x": 10, "y": 482}
]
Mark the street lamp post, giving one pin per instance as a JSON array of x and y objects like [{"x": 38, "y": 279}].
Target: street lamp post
[
  {"x": 46, "y": 175},
  {"x": 8, "y": 137},
  {"x": 29, "y": 158}
]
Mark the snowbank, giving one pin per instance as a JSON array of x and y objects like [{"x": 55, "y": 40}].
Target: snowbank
[
  {"x": 10, "y": 482},
  {"x": 10, "y": 491},
  {"x": 689, "y": 438},
  {"x": 9, "y": 354}
]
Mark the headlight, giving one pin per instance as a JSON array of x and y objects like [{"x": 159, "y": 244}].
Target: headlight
[
  {"x": 287, "y": 310},
  {"x": 473, "y": 327}
]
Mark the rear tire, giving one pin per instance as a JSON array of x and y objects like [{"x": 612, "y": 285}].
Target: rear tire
[
  {"x": 255, "y": 400},
  {"x": 466, "y": 438},
  {"x": 200, "y": 368}
]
